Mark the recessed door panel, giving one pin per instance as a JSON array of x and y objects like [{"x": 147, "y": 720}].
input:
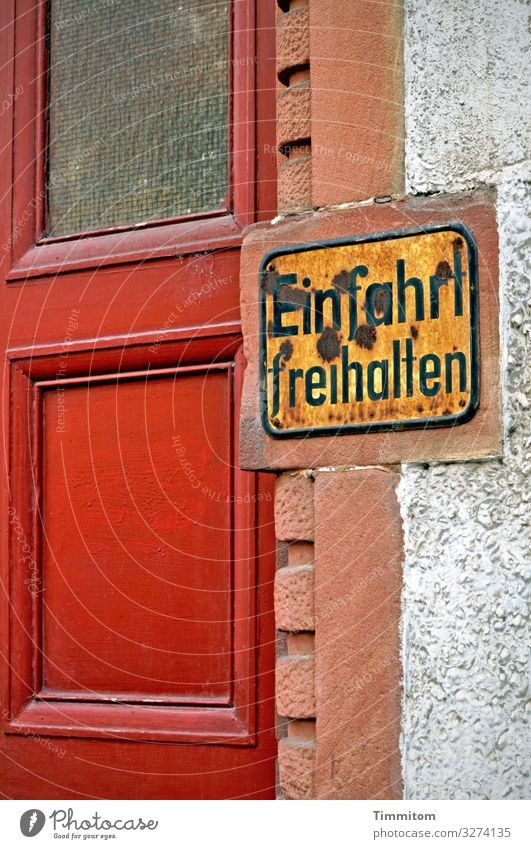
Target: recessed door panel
[
  {"x": 136, "y": 597},
  {"x": 134, "y": 612}
]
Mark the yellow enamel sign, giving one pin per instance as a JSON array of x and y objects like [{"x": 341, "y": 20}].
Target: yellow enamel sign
[{"x": 372, "y": 333}]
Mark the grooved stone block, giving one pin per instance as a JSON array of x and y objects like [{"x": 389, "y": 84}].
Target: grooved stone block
[
  {"x": 293, "y": 114},
  {"x": 293, "y": 41},
  {"x": 296, "y": 761},
  {"x": 300, "y": 554},
  {"x": 358, "y": 583},
  {"x": 295, "y": 686},
  {"x": 294, "y": 515},
  {"x": 294, "y": 185},
  {"x": 294, "y": 607}
]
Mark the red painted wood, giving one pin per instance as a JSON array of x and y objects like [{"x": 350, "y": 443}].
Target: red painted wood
[
  {"x": 136, "y": 615},
  {"x": 150, "y": 607}
]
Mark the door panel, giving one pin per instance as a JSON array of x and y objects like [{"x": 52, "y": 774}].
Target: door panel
[
  {"x": 137, "y": 559},
  {"x": 134, "y": 561}
]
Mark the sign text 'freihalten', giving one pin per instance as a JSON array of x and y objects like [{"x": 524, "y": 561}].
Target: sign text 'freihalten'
[{"x": 371, "y": 333}]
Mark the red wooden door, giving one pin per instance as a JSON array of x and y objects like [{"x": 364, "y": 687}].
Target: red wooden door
[{"x": 137, "y": 559}]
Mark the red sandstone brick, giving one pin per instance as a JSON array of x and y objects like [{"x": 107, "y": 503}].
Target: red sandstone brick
[
  {"x": 296, "y": 760},
  {"x": 294, "y": 516},
  {"x": 301, "y": 729},
  {"x": 300, "y": 553},
  {"x": 295, "y": 686},
  {"x": 357, "y": 100},
  {"x": 294, "y": 608},
  {"x": 358, "y": 549},
  {"x": 293, "y": 114},
  {"x": 295, "y": 184},
  {"x": 293, "y": 42},
  {"x": 300, "y": 643}
]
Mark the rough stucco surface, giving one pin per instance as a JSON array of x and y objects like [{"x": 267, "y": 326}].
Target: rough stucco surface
[
  {"x": 468, "y": 582},
  {"x": 466, "y": 75},
  {"x": 467, "y": 591}
]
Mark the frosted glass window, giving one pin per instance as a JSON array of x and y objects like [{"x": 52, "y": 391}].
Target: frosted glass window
[{"x": 138, "y": 111}]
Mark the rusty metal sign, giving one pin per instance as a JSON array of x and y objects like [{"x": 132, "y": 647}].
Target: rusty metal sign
[{"x": 370, "y": 333}]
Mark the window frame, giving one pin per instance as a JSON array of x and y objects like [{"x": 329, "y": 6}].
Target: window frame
[{"x": 32, "y": 253}]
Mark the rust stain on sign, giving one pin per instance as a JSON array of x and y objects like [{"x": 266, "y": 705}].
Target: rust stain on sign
[{"x": 371, "y": 333}]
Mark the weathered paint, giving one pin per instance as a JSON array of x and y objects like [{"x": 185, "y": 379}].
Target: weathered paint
[{"x": 373, "y": 333}]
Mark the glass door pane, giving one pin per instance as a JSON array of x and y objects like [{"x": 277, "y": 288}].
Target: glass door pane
[{"x": 138, "y": 111}]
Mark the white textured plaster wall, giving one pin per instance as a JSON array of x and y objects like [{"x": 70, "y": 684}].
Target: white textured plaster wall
[
  {"x": 468, "y": 584},
  {"x": 467, "y": 67},
  {"x": 467, "y": 595}
]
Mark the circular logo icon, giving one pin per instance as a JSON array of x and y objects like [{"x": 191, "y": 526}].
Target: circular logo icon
[{"x": 31, "y": 822}]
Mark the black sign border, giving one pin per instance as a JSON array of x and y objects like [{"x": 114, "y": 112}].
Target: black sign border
[{"x": 408, "y": 424}]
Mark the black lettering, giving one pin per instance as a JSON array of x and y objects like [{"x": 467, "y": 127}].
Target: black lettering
[
  {"x": 311, "y": 385},
  {"x": 435, "y": 285},
  {"x": 346, "y": 368},
  {"x": 458, "y": 283},
  {"x": 320, "y": 298},
  {"x": 379, "y": 299},
  {"x": 426, "y": 373},
  {"x": 353, "y": 288},
  {"x": 403, "y": 284},
  {"x": 397, "y": 377},
  {"x": 280, "y": 307},
  {"x": 333, "y": 384},
  {"x": 275, "y": 371},
  {"x": 383, "y": 366},
  {"x": 409, "y": 359},
  {"x": 448, "y": 362},
  {"x": 294, "y": 374}
]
